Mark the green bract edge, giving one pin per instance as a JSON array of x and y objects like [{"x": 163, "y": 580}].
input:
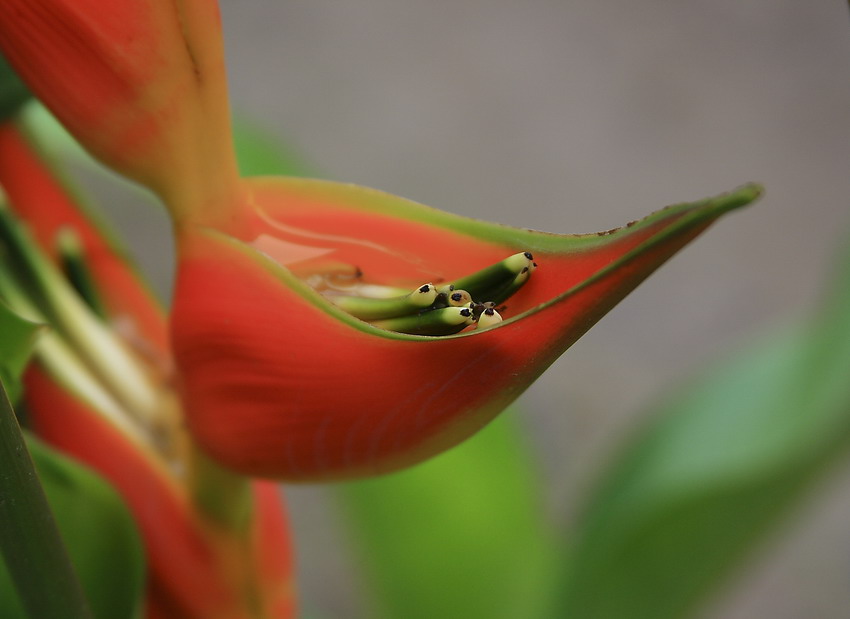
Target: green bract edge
[
  {"x": 389, "y": 205},
  {"x": 693, "y": 214}
]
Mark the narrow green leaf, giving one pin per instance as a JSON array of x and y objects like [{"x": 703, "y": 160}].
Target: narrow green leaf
[
  {"x": 53, "y": 139},
  {"x": 713, "y": 472},
  {"x": 30, "y": 543},
  {"x": 462, "y": 535},
  {"x": 98, "y": 531}
]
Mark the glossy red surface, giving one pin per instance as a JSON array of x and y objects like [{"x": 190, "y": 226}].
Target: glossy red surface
[{"x": 277, "y": 384}]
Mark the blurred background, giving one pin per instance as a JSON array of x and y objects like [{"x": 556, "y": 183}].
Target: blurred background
[{"x": 578, "y": 116}]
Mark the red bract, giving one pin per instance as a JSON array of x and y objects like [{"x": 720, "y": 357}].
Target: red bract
[
  {"x": 139, "y": 83},
  {"x": 199, "y": 566},
  {"x": 279, "y": 382},
  {"x": 276, "y": 380},
  {"x": 196, "y": 568}
]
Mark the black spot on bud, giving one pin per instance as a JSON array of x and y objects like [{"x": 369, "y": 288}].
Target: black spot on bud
[
  {"x": 465, "y": 312},
  {"x": 528, "y": 255},
  {"x": 489, "y": 311},
  {"x": 456, "y": 296},
  {"x": 425, "y": 288},
  {"x": 524, "y": 270}
]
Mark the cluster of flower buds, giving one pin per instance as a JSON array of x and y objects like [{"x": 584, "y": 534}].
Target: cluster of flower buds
[{"x": 428, "y": 309}]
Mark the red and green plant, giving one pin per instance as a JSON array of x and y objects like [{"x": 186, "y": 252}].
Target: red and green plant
[{"x": 291, "y": 352}]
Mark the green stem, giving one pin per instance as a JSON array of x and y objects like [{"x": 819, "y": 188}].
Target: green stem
[
  {"x": 77, "y": 271},
  {"x": 48, "y": 290},
  {"x": 221, "y": 495},
  {"x": 29, "y": 539}
]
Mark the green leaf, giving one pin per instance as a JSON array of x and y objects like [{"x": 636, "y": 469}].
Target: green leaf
[
  {"x": 13, "y": 93},
  {"x": 99, "y": 533},
  {"x": 54, "y": 139},
  {"x": 462, "y": 535},
  {"x": 30, "y": 544},
  {"x": 17, "y": 338},
  {"x": 714, "y": 471},
  {"x": 258, "y": 155}
]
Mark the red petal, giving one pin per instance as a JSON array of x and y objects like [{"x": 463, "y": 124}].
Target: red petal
[
  {"x": 140, "y": 84},
  {"x": 195, "y": 569},
  {"x": 279, "y": 383}
]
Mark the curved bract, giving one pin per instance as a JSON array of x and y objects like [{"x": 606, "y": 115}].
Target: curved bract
[
  {"x": 279, "y": 382},
  {"x": 194, "y": 568},
  {"x": 138, "y": 83},
  {"x": 199, "y": 566}
]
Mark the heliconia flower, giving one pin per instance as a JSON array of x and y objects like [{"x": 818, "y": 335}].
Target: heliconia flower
[
  {"x": 279, "y": 375},
  {"x": 279, "y": 382},
  {"x": 203, "y": 560}
]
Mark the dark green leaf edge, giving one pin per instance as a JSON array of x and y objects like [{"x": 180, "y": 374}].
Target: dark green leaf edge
[{"x": 29, "y": 538}]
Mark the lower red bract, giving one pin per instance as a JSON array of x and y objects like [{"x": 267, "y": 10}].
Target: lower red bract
[{"x": 195, "y": 569}]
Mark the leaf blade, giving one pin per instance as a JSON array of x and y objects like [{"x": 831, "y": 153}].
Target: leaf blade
[
  {"x": 30, "y": 542},
  {"x": 463, "y": 535},
  {"x": 714, "y": 471}
]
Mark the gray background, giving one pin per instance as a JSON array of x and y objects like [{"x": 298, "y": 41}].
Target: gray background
[{"x": 577, "y": 116}]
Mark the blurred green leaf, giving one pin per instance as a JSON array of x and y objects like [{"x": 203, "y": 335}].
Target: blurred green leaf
[
  {"x": 53, "y": 138},
  {"x": 260, "y": 155},
  {"x": 17, "y": 338},
  {"x": 713, "y": 472},
  {"x": 99, "y": 533},
  {"x": 13, "y": 93},
  {"x": 460, "y": 536},
  {"x": 31, "y": 547}
]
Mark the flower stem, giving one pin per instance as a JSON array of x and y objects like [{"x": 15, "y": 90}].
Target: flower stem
[
  {"x": 29, "y": 539},
  {"x": 53, "y": 296},
  {"x": 221, "y": 495}
]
